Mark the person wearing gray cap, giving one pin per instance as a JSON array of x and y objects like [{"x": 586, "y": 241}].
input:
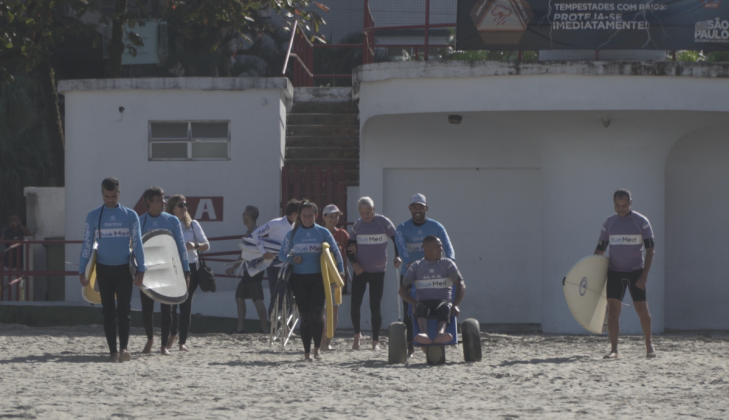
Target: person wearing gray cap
[{"x": 410, "y": 235}]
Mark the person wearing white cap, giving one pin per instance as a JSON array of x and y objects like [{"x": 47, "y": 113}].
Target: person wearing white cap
[
  {"x": 410, "y": 235},
  {"x": 330, "y": 216}
]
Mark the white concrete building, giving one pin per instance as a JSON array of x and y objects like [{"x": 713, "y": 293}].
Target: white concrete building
[
  {"x": 218, "y": 141},
  {"x": 524, "y": 183}
]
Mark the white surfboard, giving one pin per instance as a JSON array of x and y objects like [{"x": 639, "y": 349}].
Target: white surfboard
[
  {"x": 253, "y": 259},
  {"x": 164, "y": 280},
  {"x": 584, "y": 290},
  {"x": 90, "y": 292}
]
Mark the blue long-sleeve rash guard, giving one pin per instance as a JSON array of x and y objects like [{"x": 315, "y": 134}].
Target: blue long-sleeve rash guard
[
  {"x": 307, "y": 243},
  {"x": 410, "y": 241},
  {"x": 172, "y": 224},
  {"x": 119, "y": 226}
]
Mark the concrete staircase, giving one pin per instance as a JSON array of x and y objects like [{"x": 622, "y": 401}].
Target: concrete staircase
[{"x": 324, "y": 133}]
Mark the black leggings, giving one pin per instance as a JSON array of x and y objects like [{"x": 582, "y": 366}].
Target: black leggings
[
  {"x": 115, "y": 280},
  {"x": 185, "y": 308},
  {"x": 310, "y": 297},
  {"x": 359, "y": 285},
  {"x": 148, "y": 317}
]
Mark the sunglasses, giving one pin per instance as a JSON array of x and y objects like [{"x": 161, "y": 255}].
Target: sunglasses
[{"x": 182, "y": 205}]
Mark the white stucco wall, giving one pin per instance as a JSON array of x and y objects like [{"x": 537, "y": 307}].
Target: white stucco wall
[
  {"x": 547, "y": 117},
  {"x": 45, "y": 213},
  {"x": 697, "y": 282},
  {"x": 102, "y": 142}
]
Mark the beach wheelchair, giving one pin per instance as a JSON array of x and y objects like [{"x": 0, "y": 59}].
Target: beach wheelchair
[
  {"x": 435, "y": 353},
  {"x": 284, "y": 314}
]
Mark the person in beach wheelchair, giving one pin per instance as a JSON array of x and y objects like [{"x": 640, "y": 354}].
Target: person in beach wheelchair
[{"x": 433, "y": 278}]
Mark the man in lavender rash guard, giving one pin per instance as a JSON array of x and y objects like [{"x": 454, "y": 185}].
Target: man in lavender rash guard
[
  {"x": 627, "y": 233},
  {"x": 367, "y": 251}
]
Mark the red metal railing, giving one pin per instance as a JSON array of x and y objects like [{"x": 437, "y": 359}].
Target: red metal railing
[
  {"x": 17, "y": 272},
  {"x": 302, "y": 50}
]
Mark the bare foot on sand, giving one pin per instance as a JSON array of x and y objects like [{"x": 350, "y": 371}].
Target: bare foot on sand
[
  {"x": 125, "y": 356},
  {"x": 611, "y": 355},
  {"x": 184, "y": 348},
  {"x": 171, "y": 341},
  {"x": 114, "y": 358},
  {"x": 375, "y": 346},
  {"x": 650, "y": 352},
  {"x": 442, "y": 338},
  {"x": 317, "y": 353},
  {"x": 148, "y": 346},
  {"x": 357, "y": 338},
  {"x": 164, "y": 351},
  {"x": 411, "y": 350},
  {"x": 307, "y": 357},
  {"x": 423, "y": 338}
]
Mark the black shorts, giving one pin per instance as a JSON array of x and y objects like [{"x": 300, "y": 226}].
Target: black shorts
[
  {"x": 439, "y": 308},
  {"x": 250, "y": 287},
  {"x": 618, "y": 282}
]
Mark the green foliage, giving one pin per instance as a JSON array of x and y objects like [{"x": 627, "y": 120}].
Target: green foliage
[
  {"x": 25, "y": 157},
  {"x": 31, "y": 28},
  {"x": 202, "y": 30},
  {"x": 491, "y": 55},
  {"x": 699, "y": 56}
]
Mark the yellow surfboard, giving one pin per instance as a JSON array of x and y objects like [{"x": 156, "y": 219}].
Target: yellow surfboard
[
  {"x": 330, "y": 274},
  {"x": 90, "y": 292}
]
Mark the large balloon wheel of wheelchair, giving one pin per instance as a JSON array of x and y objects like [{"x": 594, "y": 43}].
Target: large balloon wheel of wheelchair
[
  {"x": 284, "y": 317},
  {"x": 435, "y": 354}
]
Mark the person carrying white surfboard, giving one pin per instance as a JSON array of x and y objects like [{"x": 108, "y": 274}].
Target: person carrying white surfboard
[
  {"x": 627, "y": 233},
  {"x": 113, "y": 227},
  {"x": 154, "y": 219},
  {"x": 249, "y": 287},
  {"x": 410, "y": 235},
  {"x": 275, "y": 231}
]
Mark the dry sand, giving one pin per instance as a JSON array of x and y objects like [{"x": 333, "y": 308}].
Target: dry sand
[{"x": 58, "y": 373}]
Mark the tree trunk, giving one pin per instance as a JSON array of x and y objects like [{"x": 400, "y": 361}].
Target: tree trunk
[
  {"x": 116, "y": 43},
  {"x": 53, "y": 121}
]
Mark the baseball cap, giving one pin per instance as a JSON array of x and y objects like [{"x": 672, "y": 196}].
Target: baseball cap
[
  {"x": 418, "y": 199},
  {"x": 331, "y": 209}
]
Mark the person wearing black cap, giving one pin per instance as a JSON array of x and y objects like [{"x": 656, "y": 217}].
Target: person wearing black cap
[{"x": 410, "y": 235}]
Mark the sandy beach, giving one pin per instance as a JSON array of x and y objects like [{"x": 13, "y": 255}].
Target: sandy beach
[{"x": 60, "y": 373}]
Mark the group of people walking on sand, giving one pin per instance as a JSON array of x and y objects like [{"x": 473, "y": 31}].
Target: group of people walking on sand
[{"x": 430, "y": 280}]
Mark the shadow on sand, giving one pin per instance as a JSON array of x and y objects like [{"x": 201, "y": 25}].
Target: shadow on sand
[
  {"x": 59, "y": 358},
  {"x": 554, "y": 360}
]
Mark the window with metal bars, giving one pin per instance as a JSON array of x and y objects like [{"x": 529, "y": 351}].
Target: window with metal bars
[{"x": 189, "y": 140}]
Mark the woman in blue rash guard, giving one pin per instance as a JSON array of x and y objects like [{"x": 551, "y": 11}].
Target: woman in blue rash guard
[{"x": 305, "y": 243}]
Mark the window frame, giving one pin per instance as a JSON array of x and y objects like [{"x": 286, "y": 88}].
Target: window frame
[{"x": 189, "y": 141}]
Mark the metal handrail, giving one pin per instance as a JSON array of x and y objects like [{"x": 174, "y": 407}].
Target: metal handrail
[{"x": 305, "y": 64}]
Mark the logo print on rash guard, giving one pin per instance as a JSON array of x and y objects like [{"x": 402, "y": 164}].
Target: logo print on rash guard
[
  {"x": 414, "y": 247},
  {"x": 371, "y": 239},
  {"x": 306, "y": 248},
  {"x": 434, "y": 283},
  {"x": 626, "y": 239}
]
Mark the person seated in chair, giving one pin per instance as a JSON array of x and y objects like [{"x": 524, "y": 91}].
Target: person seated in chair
[{"x": 433, "y": 278}]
